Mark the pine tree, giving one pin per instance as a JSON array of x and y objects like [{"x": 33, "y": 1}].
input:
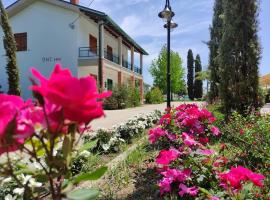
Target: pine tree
[
  {"x": 239, "y": 56},
  {"x": 216, "y": 32},
  {"x": 10, "y": 47},
  {"x": 198, "y": 84},
  {"x": 190, "y": 74}
]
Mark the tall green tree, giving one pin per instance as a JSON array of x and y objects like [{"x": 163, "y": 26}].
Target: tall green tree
[
  {"x": 239, "y": 56},
  {"x": 216, "y": 32},
  {"x": 158, "y": 70},
  {"x": 10, "y": 47},
  {"x": 198, "y": 84},
  {"x": 190, "y": 74}
]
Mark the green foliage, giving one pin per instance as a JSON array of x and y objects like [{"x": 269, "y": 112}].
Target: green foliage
[
  {"x": 239, "y": 57},
  {"x": 154, "y": 96},
  {"x": 216, "y": 32},
  {"x": 158, "y": 70},
  {"x": 123, "y": 96},
  {"x": 83, "y": 194},
  {"x": 249, "y": 142},
  {"x": 190, "y": 75},
  {"x": 10, "y": 47},
  {"x": 198, "y": 84}
]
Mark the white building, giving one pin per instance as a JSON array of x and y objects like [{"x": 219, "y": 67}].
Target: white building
[{"x": 86, "y": 41}]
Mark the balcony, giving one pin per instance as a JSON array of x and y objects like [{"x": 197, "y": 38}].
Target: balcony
[{"x": 92, "y": 53}]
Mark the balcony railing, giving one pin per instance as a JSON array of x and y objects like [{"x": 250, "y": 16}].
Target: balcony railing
[
  {"x": 111, "y": 57},
  {"x": 88, "y": 52},
  {"x": 137, "y": 70}
]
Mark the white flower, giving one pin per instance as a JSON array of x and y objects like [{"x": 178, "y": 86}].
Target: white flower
[
  {"x": 18, "y": 191},
  {"x": 6, "y": 180},
  {"x": 33, "y": 183},
  {"x": 85, "y": 153},
  {"x": 105, "y": 147},
  {"x": 10, "y": 197},
  {"x": 25, "y": 179}
]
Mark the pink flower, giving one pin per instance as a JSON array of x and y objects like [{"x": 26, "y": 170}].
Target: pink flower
[
  {"x": 237, "y": 175},
  {"x": 10, "y": 107},
  {"x": 188, "y": 140},
  {"x": 165, "y": 185},
  {"x": 165, "y": 157},
  {"x": 177, "y": 175},
  {"x": 155, "y": 134},
  {"x": 192, "y": 191},
  {"x": 77, "y": 97},
  {"x": 214, "y": 198},
  {"x": 165, "y": 119},
  {"x": 215, "y": 131},
  {"x": 206, "y": 152}
]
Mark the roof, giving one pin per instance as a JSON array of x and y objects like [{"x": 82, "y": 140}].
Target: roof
[
  {"x": 93, "y": 14},
  {"x": 265, "y": 80}
]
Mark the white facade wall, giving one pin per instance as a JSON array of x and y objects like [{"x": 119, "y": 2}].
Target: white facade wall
[{"x": 48, "y": 41}]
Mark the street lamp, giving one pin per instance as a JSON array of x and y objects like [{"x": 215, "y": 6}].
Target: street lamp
[{"x": 167, "y": 14}]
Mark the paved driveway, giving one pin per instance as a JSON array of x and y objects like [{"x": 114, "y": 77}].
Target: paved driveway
[
  {"x": 266, "y": 109},
  {"x": 114, "y": 117}
]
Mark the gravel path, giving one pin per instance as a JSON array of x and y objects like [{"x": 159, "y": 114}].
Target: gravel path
[{"x": 114, "y": 117}]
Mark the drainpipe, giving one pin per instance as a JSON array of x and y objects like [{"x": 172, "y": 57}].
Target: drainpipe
[{"x": 101, "y": 53}]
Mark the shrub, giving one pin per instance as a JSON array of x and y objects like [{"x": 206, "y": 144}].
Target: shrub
[
  {"x": 154, "y": 96},
  {"x": 190, "y": 168},
  {"x": 123, "y": 96}
]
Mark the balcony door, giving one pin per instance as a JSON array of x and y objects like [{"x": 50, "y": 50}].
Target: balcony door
[
  {"x": 93, "y": 44},
  {"x": 109, "y": 53}
]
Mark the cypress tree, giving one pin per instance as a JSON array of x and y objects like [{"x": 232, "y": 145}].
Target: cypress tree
[
  {"x": 239, "y": 56},
  {"x": 198, "y": 84},
  {"x": 10, "y": 47},
  {"x": 216, "y": 32},
  {"x": 190, "y": 74}
]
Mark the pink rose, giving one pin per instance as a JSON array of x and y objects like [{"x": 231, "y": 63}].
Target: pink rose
[
  {"x": 215, "y": 131},
  {"x": 165, "y": 157},
  {"x": 165, "y": 185},
  {"x": 188, "y": 140},
  {"x": 192, "y": 191},
  {"x": 79, "y": 98}
]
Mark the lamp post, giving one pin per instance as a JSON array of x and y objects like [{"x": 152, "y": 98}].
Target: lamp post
[{"x": 167, "y": 14}]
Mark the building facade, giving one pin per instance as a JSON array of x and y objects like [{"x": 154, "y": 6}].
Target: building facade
[
  {"x": 86, "y": 41},
  {"x": 265, "y": 81}
]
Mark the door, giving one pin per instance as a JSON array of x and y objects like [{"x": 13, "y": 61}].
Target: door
[
  {"x": 109, "y": 53},
  {"x": 109, "y": 84},
  {"x": 93, "y": 44}
]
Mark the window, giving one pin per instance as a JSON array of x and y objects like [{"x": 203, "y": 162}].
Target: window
[
  {"x": 21, "y": 41},
  {"x": 109, "y": 53},
  {"x": 109, "y": 84},
  {"x": 93, "y": 44}
]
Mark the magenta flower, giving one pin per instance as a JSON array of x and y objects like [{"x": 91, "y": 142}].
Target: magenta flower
[
  {"x": 188, "y": 140},
  {"x": 79, "y": 98},
  {"x": 165, "y": 119},
  {"x": 177, "y": 175},
  {"x": 165, "y": 185},
  {"x": 215, "y": 131},
  {"x": 214, "y": 198},
  {"x": 206, "y": 152},
  {"x": 192, "y": 191},
  {"x": 155, "y": 134},
  {"x": 165, "y": 157},
  {"x": 238, "y": 175}
]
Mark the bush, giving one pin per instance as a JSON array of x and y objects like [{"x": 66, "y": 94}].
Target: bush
[
  {"x": 267, "y": 98},
  {"x": 154, "y": 96},
  {"x": 123, "y": 96}
]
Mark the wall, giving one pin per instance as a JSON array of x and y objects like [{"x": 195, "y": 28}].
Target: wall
[{"x": 49, "y": 38}]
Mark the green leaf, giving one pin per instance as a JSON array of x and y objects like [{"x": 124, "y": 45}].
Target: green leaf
[
  {"x": 67, "y": 149},
  {"x": 88, "y": 145},
  {"x": 90, "y": 176},
  {"x": 83, "y": 194}
]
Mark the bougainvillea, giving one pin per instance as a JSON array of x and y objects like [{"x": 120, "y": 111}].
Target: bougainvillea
[{"x": 188, "y": 165}]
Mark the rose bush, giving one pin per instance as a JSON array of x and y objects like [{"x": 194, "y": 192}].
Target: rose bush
[
  {"x": 190, "y": 168},
  {"x": 46, "y": 132}
]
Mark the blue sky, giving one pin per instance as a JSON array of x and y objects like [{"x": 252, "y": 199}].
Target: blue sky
[{"x": 139, "y": 19}]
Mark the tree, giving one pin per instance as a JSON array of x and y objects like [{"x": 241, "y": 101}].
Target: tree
[
  {"x": 10, "y": 47},
  {"x": 204, "y": 76},
  {"x": 216, "y": 32},
  {"x": 239, "y": 56},
  {"x": 158, "y": 70},
  {"x": 190, "y": 74},
  {"x": 198, "y": 84}
]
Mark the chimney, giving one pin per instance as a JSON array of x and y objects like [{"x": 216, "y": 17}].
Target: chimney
[{"x": 74, "y": 2}]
